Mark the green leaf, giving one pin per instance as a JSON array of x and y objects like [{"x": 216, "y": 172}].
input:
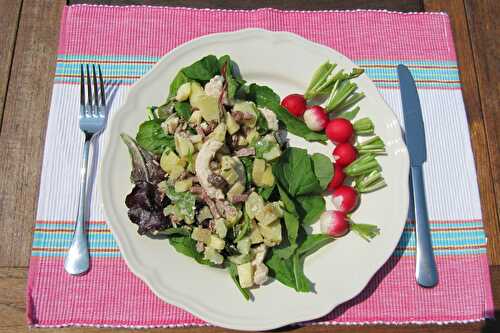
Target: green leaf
[
  {"x": 248, "y": 164},
  {"x": 319, "y": 77},
  {"x": 313, "y": 243},
  {"x": 184, "y": 202},
  {"x": 365, "y": 231},
  {"x": 287, "y": 201},
  {"x": 262, "y": 95},
  {"x": 295, "y": 173},
  {"x": 233, "y": 82},
  {"x": 202, "y": 70},
  {"x": 302, "y": 283},
  {"x": 263, "y": 146},
  {"x": 233, "y": 272},
  {"x": 311, "y": 207},
  {"x": 178, "y": 81},
  {"x": 247, "y": 224},
  {"x": 152, "y": 137},
  {"x": 363, "y": 126},
  {"x": 349, "y": 115},
  {"x": 265, "y": 192},
  {"x": 262, "y": 125},
  {"x": 183, "y": 110},
  {"x": 187, "y": 246},
  {"x": 281, "y": 270},
  {"x": 295, "y": 125},
  {"x": 174, "y": 231},
  {"x": 323, "y": 169}
]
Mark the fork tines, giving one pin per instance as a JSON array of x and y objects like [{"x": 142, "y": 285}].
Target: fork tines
[{"x": 95, "y": 91}]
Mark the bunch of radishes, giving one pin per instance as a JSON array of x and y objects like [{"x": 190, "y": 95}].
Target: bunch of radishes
[{"x": 355, "y": 164}]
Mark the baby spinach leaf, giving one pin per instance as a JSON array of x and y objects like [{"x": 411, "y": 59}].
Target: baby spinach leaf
[
  {"x": 248, "y": 164},
  {"x": 302, "y": 283},
  {"x": 295, "y": 125},
  {"x": 310, "y": 207},
  {"x": 183, "y": 110},
  {"x": 262, "y": 95},
  {"x": 187, "y": 246},
  {"x": 295, "y": 173},
  {"x": 233, "y": 80},
  {"x": 323, "y": 169},
  {"x": 184, "y": 202},
  {"x": 174, "y": 231},
  {"x": 203, "y": 69},
  {"x": 313, "y": 243},
  {"x": 233, "y": 272},
  {"x": 265, "y": 192},
  {"x": 178, "y": 81},
  {"x": 281, "y": 270},
  {"x": 152, "y": 137}
]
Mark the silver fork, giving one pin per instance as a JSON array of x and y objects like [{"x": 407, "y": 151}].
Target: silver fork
[{"x": 92, "y": 121}]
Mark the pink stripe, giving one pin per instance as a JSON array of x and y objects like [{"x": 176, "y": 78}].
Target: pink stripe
[
  {"x": 55, "y": 298},
  {"x": 153, "y": 31}
]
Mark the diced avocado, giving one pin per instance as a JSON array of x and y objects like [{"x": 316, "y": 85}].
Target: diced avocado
[
  {"x": 245, "y": 275},
  {"x": 253, "y": 136},
  {"x": 213, "y": 256},
  {"x": 183, "y": 185},
  {"x": 244, "y": 245},
  {"x": 271, "y": 212},
  {"x": 183, "y": 145},
  {"x": 271, "y": 233},
  {"x": 237, "y": 189},
  {"x": 220, "y": 228},
  {"x": 168, "y": 161},
  {"x": 208, "y": 106},
  {"x": 272, "y": 153},
  {"x": 242, "y": 141},
  {"x": 254, "y": 204},
  {"x": 232, "y": 219},
  {"x": 232, "y": 125},
  {"x": 183, "y": 92},
  {"x": 267, "y": 179},
  {"x": 201, "y": 235},
  {"x": 195, "y": 118},
  {"x": 204, "y": 214},
  {"x": 255, "y": 236},
  {"x": 259, "y": 167},
  {"x": 219, "y": 133},
  {"x": 176, "y": 171},
  {"x": 247, "y": 108},
  {"x": 196, "y": 92},
  {"x": 216, "y": 243},
  {"x": 226, "y": 162},
  {"x": 240, "y": 259},
  {"x": 230, "y": 176}
]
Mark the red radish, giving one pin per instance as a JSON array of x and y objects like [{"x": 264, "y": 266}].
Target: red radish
[
  {"x": 344, "y": 154},
  {"x": 315, "y": 118},
  {"x": 338, "y": 178},
  {"x": 339, "y": 130},
  {"x": 334, "y": 223},
  {"x": 345, "y": 198},
  {"x": 295, "y": 104}
]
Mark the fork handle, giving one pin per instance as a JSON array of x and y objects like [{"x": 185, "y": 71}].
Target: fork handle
[{"x": 77, "y": 258}]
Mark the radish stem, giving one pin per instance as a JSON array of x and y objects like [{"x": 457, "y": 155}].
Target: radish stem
[
  {"x": 371, "y": 182},
  {"x": 365, "y": 231},
  {"x": 373, "y": 145},
  {"x": 362, "y": 166},
  {"x": 364, "y": 126}
]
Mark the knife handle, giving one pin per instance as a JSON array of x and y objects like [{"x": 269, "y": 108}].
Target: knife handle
[{"x": 426, "y": 271}]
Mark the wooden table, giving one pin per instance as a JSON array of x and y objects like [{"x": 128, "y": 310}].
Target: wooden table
[{"x": 28, "y": 44}]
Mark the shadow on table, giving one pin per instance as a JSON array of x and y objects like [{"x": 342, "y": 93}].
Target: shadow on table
[{"x": 492, "y": 325}]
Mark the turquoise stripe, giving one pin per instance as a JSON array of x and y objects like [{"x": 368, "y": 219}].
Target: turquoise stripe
[
  {"x": 411, "y": 253},
  {"x": 69, "y": 225},
  {"x": 58, "y": 254}
]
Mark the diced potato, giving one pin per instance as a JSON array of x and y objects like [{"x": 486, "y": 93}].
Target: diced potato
[
  {"x": 232, "y": 125},
  {"x": 195, "y": 118},
  {"x": 242, "y": 141},
  {"x": 226, "y": 162},
  {"x": 254, "y": 204},
  {"x": 168, "y": 161},
  {"x": 232, "y": 219},
  {"x": 244, "y": 245},
  {"x": 271, "y": 233},
  {"x": 245, "y": 275},
  {"x": 230, "y": 176},
  {"x": 219, "y": 133},
  {"x": 216, "y": 243},
  {"x": 253, "y": 136},
  {"x": 255, "y": 236},
  {"x": 220, "y": 228},
  {"x": 204, "y": 214},
  {"x": 212, "y": 255},
  {"x": 247, "y": 108},
  {"x": 201, "y": 235},
  {"x": 240, "y": 259},
  {"x": 196, "y": 92},
  {"x": 183, "y": 185},
  {"x": 208, "y": 106},
  {"x": 183, "y": 145},
  {"x": 176, "y": 171},
  {"x": 267, "y": 179},
  {"x": 271, "y": 212},
  {"x": 196, "y": 138},
  {"x": 259, "y": 167},
  {"x": 183, "y": 92}
]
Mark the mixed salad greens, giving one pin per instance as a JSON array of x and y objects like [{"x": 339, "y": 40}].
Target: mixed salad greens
[{"x": 213, "y": 172}]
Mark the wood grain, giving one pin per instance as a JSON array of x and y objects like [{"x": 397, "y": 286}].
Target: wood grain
[
  {"x": 482, "y": 17},
  {"x": 407, "y": 6},
  {"x": 8, "y": 31},
  {"x": 23, "y": 127},
  {"x": 12, "y": 315},
  {"x": 476, "y": 117}
]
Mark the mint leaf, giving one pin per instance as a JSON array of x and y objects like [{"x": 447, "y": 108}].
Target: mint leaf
[
  {"x": 310, "y": 207},
  {"x": 323, "y": 169},
  {"x": 152, "y": 137},
  {"x": 203, "y": 69}
]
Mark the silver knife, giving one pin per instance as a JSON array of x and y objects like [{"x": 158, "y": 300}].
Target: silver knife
[{"x": 426, "y": 271}]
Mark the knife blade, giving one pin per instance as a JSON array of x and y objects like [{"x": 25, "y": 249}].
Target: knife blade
[{"x": 426, "y": 272}]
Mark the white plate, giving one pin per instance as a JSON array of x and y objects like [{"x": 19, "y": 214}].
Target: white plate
[{"x": 285, "y": 62}]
